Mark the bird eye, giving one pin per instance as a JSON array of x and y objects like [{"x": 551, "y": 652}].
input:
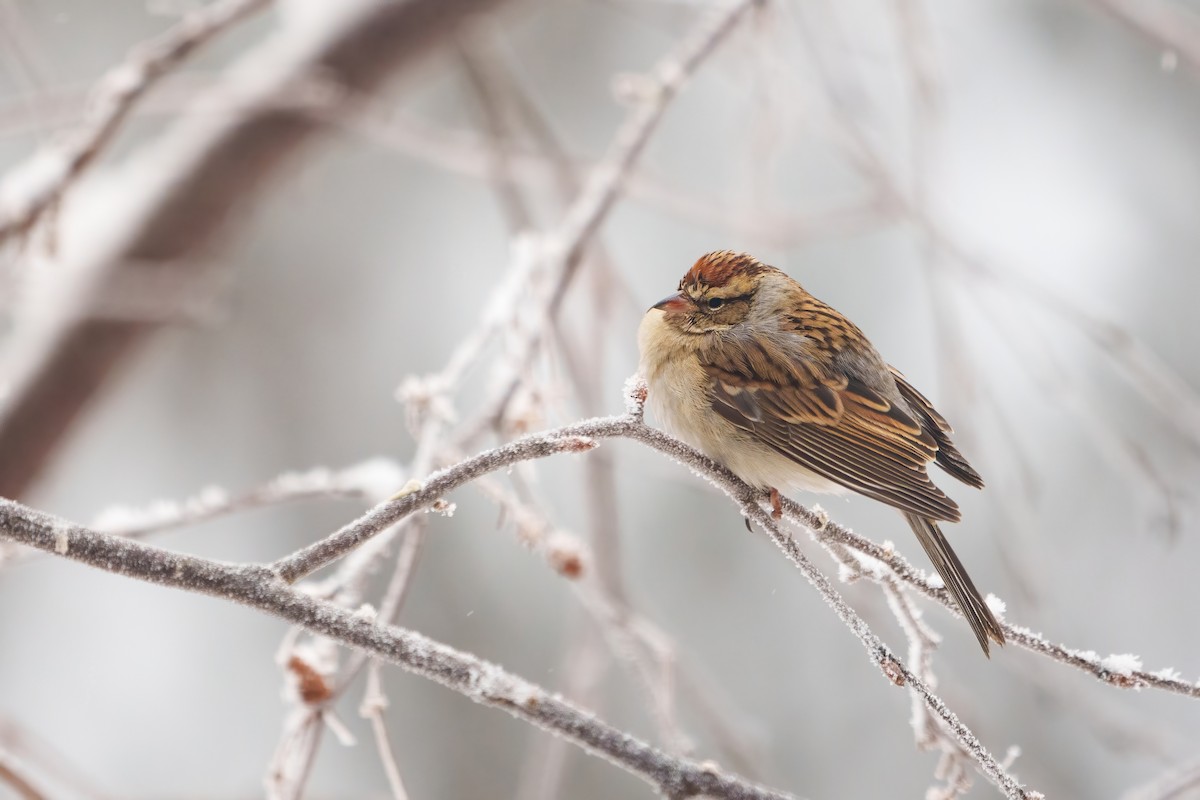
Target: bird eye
[{"x": 715, "y": 302}]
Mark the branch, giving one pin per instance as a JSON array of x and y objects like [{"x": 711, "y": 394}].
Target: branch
[
  {"x": 483, "y": 682},
  {"x": 33, "y": 187},
  {"x": 570, "y": 438},
  {"x": 1164, "y": 25},
  {"x": 187, "y": 186},
  {"x": 565, "y": 246},
  {"x": 1114, "y": 670},
  {"x": 310, "y": 559}
]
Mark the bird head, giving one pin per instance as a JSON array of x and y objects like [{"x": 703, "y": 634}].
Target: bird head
[{"x": 717, "y": 293}]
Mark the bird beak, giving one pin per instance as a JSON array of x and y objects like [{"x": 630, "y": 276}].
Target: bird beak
[{"x": 676, "y": 302}]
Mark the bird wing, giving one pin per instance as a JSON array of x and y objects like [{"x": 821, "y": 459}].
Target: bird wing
[
  {"x": 829, "y": 423},
  {"x": 948, "y": 457}
]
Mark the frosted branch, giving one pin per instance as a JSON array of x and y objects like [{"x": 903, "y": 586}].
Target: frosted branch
[{"x": 259, "y": 587}]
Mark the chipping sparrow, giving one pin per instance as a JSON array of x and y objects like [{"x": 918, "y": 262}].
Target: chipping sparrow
[{"x": 747, "y": 366}]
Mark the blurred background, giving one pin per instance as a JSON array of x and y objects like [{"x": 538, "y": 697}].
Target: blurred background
[{"x": 1002, "y": 194}]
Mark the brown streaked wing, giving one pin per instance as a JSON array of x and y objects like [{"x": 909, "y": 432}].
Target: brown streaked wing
[
  {"x": 948, "y": 457},
  {"x": 859, "y": 440}
]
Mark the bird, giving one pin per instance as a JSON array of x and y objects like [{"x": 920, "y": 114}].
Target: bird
[{"x": 761, "y": 376}]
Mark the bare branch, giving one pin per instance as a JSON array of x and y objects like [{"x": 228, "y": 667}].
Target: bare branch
[
  {"x": 188, "y": 183},
  {"x": 1114, "y": 672},
  {"x": 568, "y": 438},
  {"x": 312, "y": 558},
  {"x": 483, "y": 682},
  {"x": 29, "y": 189},
  {"x": 12, "y": 775},
  {"x": 1166, "y": 25},
  {"x": 372, "y": 708},
  {"x": 1177, "y": 784}
]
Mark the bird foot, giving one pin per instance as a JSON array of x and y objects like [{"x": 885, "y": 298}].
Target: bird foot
[{"x": 776, "y": 504}]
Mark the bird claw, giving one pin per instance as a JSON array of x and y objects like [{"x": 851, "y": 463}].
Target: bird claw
[{"x": 776, "y": 505}]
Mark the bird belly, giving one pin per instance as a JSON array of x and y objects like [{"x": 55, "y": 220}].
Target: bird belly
[{"x": 678, "y": 398}]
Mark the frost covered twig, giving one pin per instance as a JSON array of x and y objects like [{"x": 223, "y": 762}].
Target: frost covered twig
[
  {"x": 373, "y": 705},
  {"x": 422, "y": 495},
  {"x": 922, "y": 641},
  {"x": 1123, "y": 671},
  {"x": 483, "y": 682},
  {"x": 370, "y": 480}
]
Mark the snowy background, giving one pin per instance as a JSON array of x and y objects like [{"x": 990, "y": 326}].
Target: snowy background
[{"x": 1052, "y": 149}]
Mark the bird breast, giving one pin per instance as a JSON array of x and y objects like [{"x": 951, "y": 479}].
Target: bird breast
[{"x": 678, "y": 397}]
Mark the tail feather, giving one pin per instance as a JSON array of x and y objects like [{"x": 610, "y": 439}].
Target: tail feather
[{"x": 959, "y": 584}]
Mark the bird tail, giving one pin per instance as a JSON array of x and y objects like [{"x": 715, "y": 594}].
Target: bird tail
[{"x": 954, "y": 575}]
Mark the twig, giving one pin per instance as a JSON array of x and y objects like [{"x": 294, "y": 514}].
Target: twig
[
  {"x": 309, "y": 559},
  {"x": 1177, "y": 784},
  {"x": 372, "y": 708},
  {"x": 291, "y": 765},
  {"x": 370, "y": 480},
  {"x": 1116, "y": 673}
]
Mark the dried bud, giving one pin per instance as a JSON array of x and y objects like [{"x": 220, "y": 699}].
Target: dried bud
[
  {"x": 578, "y": 444},
  {"x": 310, "y": 684},
  {"x": 893, "y": 670},
  {"x": 566, "y": 555}
]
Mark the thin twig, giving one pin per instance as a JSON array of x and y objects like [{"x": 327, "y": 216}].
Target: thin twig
[
  {"x": 1114, "y": 673},
  {"x": 310, "y": 559},
  {"x": 372, "y": 708},
  {"x": 1177, "y": 784}
]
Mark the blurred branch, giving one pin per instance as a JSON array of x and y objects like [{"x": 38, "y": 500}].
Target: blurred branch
[
  {"x": 186, "y": 188},
  {"x": 481, "y": 681},
  {"x": 371, "y": 480},
  {"x": 292, "y": 761},
  {"x": 31, "y": 188},
  {"x": 1177, "y": 784},
  {"x": 12, "y": 775},
  {"x": 372, "y": 708},
  {"x": 25, "y": 753},
  {"x": 1166, "y": 25},
  {"x": 564, "y": 247}
]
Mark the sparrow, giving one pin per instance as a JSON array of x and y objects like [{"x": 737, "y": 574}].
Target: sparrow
[{"x": 748, "y": 367}]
